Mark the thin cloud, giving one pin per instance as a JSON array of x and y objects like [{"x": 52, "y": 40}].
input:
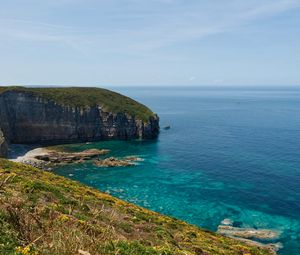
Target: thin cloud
[
  {"x": 40, "y": 32},
  {"x": 159, "y": 28}
]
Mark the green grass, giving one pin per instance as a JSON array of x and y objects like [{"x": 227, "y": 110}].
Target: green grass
[
  {"x": 41, "y": 213},
  {"x": 88, "y": 97},
  {"x": 8, "y": 236}
]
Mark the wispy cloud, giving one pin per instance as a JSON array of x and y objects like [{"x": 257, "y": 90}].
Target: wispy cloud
[
  {"x": 39, "y": 32},
  {"x": 271, "y": 8},
  {"x": 162, "y": 23}
]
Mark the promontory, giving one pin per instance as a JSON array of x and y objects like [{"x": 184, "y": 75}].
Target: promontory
[{"x": 74, "y": 114}]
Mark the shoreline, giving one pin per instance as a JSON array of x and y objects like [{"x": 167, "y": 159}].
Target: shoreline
[
  {"x": 47, "y": 158},
  {"x": 29, "y": 158},
  {"x": 31, "y": 154}
]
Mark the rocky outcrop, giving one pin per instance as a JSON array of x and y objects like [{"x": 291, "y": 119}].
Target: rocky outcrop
[
  {"x": 49, "y": 157},
  {"x": 251, "y": 235},
  {"x": 248, "y": 233},
  {"x": 57, "y": 157},
  {"x": 3, "y": 145},
  {"x": 27, "y": 118},
  {"x": 115, "y": 162}
]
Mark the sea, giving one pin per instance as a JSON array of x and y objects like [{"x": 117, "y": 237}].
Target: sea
[{"x": 230, "y": 153}]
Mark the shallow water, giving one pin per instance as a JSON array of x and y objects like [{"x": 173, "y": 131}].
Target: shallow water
[{"x": 229, "y": 154}]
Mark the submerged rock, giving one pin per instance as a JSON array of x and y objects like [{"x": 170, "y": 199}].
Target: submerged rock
[
  {"x": 115, "y": 162},
  {"x": 247, "y": 234},
  {"x": 133, "y": 158},
  {"x": 263, "y": 234}
]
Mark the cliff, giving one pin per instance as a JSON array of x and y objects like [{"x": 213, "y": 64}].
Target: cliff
[
  {"x": 3, "y": 145},
  {"x": 41, "y": 213},
  {"x": 61, "y": 115}
]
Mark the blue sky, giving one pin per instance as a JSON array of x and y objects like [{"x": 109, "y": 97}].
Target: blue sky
[{"x": 150, "y": 42}]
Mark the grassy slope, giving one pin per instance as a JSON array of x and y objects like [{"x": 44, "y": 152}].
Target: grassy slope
[
  {"x": 82, "y": 97},
  {"x": 41, "y": 213}
]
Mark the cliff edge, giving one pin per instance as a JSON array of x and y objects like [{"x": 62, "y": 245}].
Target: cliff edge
[{"x": 64, "y": 115}]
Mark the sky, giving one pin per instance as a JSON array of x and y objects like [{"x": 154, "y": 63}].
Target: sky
[{"x": 150, "y": 42}]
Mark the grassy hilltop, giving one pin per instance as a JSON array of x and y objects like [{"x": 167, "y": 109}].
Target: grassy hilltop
[
  {"x": 85, "y": 97},
  {"x": 41, "y": 213}
]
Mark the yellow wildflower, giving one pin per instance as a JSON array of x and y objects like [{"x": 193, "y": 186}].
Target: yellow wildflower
[
  {"x": 27, "y": 250},
  {"x": 63, "y": 218}
]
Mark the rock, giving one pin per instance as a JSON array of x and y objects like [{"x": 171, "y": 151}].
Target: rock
[
  {"x": 227, "y": 222},
  {"x": 114, "y": 162},
  {"x": 133, "y": 158},
  {"x": 48, "y": 158},
  {"x": 263, "y": 234},
  {"x": 3, "y": 145},
  {"x": 57, "y": 157},
  {"x": 246, "y": 234}
]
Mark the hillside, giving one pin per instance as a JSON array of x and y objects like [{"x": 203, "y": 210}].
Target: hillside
[{"x": 41, "y": 213}]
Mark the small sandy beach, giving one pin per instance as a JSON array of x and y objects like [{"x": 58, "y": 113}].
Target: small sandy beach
[{"x": 29, "y": 157}]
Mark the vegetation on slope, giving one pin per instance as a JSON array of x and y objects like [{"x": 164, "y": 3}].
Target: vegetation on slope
[
  {"x": 86, "y": 97},
  {"x": 41, "y": 213}
]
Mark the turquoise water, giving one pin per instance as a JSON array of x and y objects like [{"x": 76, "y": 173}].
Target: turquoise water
[{"x": 231, "y": 153}]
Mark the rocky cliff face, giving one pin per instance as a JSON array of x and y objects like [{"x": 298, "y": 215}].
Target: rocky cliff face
[
  {"x": 3, "y": 145},
  {"x": 27, "y": 118}
]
